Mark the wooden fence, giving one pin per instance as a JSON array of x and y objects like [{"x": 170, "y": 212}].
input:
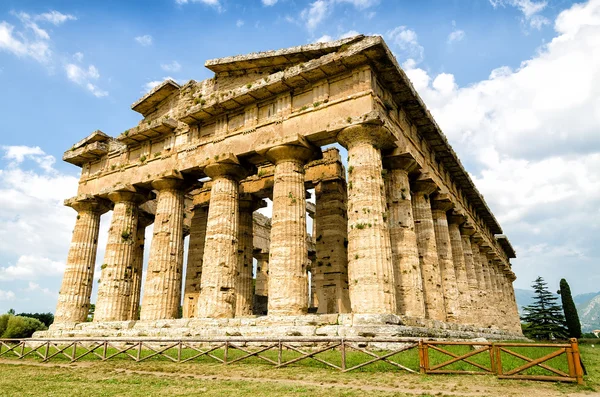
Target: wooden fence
[{"x": 554, "y": 362}]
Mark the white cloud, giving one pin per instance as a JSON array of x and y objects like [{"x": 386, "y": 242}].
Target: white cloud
[
  {"x": 17, "y": 44},
  {"x": 78, "y": 56},
  {"x": 315, "y": 13},
  {"x": 534, "y": 147},
  {"x": 269, "y": 2},
  {"x": 216, "y": 4},
  {"x": 456, "y": 35},
  {"x": 360, "y": 4},
  {"x": 171, "y": 67},
  {"x": 145, "y": 40},
  {"x": 239, "y": 23},
  {"x": 55, "y": 17},
  {"x": 151, "y": 84},
  {"x": 7, "y": 295},
  {"x": 325, "y": 38},
  {"x": 406, "y": 41},
  {"x": 530, "y": 10},
  {"x": 33, "y": 287},
  {"x": 84, "y": 78}
]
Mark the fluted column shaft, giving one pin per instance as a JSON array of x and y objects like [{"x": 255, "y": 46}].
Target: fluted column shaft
[
  {"x": 116, "y": 279},
  {"x": 446, "y": 262},
  {"x": 288, "y": 256},
  {"x": 262, "y": 276},
  {"x": 491, "y": 303},
  {"x": 162, "y": 290},
  {"x": 330, "y": 269},
  {"x": 500, "y": 304},
  {"x": 473, "y": 311},
  {"x": 370, "y": 269},
  {"x": 426, "y": 240},
  {"x": 405, "y": 252},
  {"x": 243, "y": 280},
  {"x": 194, "y": 263},
  {"x": 460, "y": 268},
  {"x": 483, "y": 304},
  {"x": 76, "y": 289},
  {"x": 217, "y": 294},
  {"x": 138, "y": 266}
]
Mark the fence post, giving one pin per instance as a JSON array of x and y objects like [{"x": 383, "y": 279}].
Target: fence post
[
  {"x": 493, "y": 359},
  {"x": 422, "y": 357},
  {"x": 279, "y": 353},
  {"x": 343, "y": 351},
  {"x": 104, "y": 350},
  {"x": 498, "y": 353},
  {"x": 225, "y": 353},
  {"x": 179, "y": 347},
  {"x": 577, "y": 361},
  {"x": 47, "y": 351}
]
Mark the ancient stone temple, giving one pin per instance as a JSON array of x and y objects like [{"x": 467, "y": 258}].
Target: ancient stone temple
[{"x": 402, "y": 242}]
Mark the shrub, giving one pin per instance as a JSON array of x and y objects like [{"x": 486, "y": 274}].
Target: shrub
[
  {"x": 22, "y": 327},
  {"x": 45, "y": 318},
  {"x": 3, "y": 323}
]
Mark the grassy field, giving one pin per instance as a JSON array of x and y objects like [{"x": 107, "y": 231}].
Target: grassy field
[{"x": 159, "y": 376}]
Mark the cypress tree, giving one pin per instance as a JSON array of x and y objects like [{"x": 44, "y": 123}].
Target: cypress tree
[
  {"x": 571, "y": 316},
  {"x": 544, "y": 318}
]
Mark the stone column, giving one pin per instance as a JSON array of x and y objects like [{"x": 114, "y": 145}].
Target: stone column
[
  {"x": 501, "y": 303},
  {"x": 217, "y": 293},
  {"x": 162, "y": 290},
  {"x": 428, "y": 255},
  {"x": 515, "y": 320},
  {"x": 195, "y": 259},
  {"x": 460, "y": 267},
  {"x": 116, "y": 280},
  {"x": 440, "y": 205},
  {"x": 144, "y": 220},
  {"x": 491, "y": 305},
  {"x": 370, "y": 268},
  {"x": 473, "y": 317},
  {"x": 243, "y": 280},
  {"x": 261, "y": 290},
  {"x": 288, "y": 256},
  {"x": 405, "y": 253},
  {"x": 330, "y": 269},
  {"x": 74, "y": 296},
  {"x": 483, "y": 304}
]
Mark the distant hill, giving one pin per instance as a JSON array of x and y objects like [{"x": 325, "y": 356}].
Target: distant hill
[{"x": 588, "y": 307}]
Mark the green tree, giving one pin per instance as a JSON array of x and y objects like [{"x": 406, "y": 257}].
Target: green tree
[
  {"x": 46, "y": 318},
  {"x": 544, "y": 318},
  {"x": 571, "y": 316},
  {"x": 19, "y": 327}
]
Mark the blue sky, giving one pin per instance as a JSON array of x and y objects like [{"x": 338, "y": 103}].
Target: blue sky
[{"x": 513, "y": 83}]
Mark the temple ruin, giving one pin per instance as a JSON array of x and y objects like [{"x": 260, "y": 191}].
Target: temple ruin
[{"x": 402, "y": 243}]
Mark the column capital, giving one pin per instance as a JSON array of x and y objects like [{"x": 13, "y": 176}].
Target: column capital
[
  {"x": 168, "y": 183},
  {"x": 441, "y": 202},
  {"x": 302, "y": 152},
  {"x": 88, "y": 203},
  {"x": 467, "y": 229},
  {"x": 227, "y": 166},
  {"x": 457, "y": 218},
  {"x": 250, "y": 203},
  {"x": 373, "y": 134},
  {"x": 424, "y": 184},
  {"x": 128, "y": 193},
  {"x": 400, "y": 160}
]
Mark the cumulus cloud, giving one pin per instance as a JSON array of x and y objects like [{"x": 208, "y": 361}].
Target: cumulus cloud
[
  {"x": 269, "y": 2},
  {"x": 216, "y": 4},
  {"x": 55, "y": 17},
  {"x": 18, "y": 44},
  {"x": 151, "y": 84},
  {"x": 407, "y": 45},
  {"x": 456, "y": 34},
  {"x": 319, "y": 10},
  {"x": 145, "y": 40},
  {"x": 530, "y": 10},
  {"x": 171, "y": 67},
  {"x": 534, "y": 147},
  {"x": 7, "y": 295},
  {"x": 84, "y": 77},
  {"x": 326, "y": 38}
]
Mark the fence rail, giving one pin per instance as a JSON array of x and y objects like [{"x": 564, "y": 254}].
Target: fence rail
[{"x": 550, "y": 362}]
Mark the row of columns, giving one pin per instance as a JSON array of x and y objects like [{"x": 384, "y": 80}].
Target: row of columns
[{"x": 385, "y": 244}]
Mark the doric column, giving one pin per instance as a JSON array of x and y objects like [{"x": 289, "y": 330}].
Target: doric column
[
  {"x": 217, "y": 293},
  {"x": 440, "y": 205},
  {"x": 261, "y": 290},
  {"x": 116, "y": 279},
  {"x": 460, "y": 268},
  {"x": 243, "y": 279},
  {"x": 288, "y": 256},
  {"x": 370, "y": 269},
  {"x": 426, "y": 241},
  {"x": 501, "y": 303},
  {"x": 491, "y": 305},
  {"x": 405, "y": 253},
  {"x": 162, "y": 289},
  {"x": 483, "y": 304},
  {"x": 76, "y": 289},
  {"x": 472, "y": 314},
  {"x": 330, "y": 269},
  {"x": 195, "y": 259},
  {"x": 515, "y": 320},
  {"x": 144, "y": 219}
]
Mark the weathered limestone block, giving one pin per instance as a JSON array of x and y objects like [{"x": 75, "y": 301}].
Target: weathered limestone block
[
  {"x": 76, "y": 289},
  {"x": 288, "y": 256},
  {"x": 116, "y": 279},
  {"x": 439, "y": 207},
  {"x": 217, "y": 293},
  {"x": 433, "y": 291},
  {"x": 405, "y": 253},
  {"x": 162, "y": 289},
  {"x": 460, "y": 267},
  {"x": 195, "y": 259},
  {"x": 243, "y": 280},
  {"x": 144, "y": 220},
  {"x": 370, "y": 269},
  {"x": 330, "y": 270}
]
